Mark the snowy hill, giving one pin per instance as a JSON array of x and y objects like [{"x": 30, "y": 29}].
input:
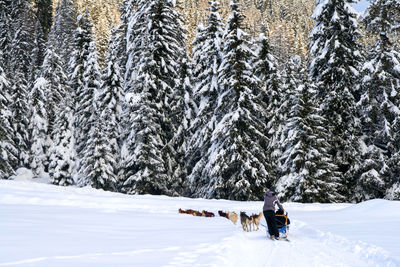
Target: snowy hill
[{"x": 46, "y": 225}]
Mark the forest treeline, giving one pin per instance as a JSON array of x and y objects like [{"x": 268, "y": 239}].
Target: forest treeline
[{"x": 227, "y": 116}]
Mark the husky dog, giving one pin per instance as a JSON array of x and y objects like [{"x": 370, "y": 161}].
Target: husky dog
[
  {"x": 233, "y": 217},
  {"x": 255, "y": 220},
  {"x": 245, "y": 221}
]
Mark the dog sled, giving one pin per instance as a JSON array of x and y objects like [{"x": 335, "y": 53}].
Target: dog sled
[{"x": 282, "y": 223}]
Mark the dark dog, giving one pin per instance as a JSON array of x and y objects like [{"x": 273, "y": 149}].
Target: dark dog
[
  {"x": 207, "y": 214},
  {"x": 223, "y": 214}
]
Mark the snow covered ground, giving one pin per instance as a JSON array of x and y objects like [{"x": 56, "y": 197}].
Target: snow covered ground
[{"x": 46, "y": 225}]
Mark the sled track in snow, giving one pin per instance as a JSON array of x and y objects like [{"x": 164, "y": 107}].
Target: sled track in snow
[{"x": 308, "y": 247}]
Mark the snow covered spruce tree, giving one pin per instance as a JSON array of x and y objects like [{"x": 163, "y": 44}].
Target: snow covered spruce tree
[
  {"x": 120, "y": 33},
  {"x": 183, "y": 110},
  {"x": 5, "y": 32},
  {"x": 156, "y": 47},
  {"x": 62, "y": 33},
  {"x": 7, "y": 149},
  {"x": 292, "y": 76},
  {"x": 39, "y": 126},
  {"x": 44, "y": 13},
  {"x": 130, "y": 40},
  {"x": 21, "y": 63},
  {"x": 379, "y": 104},
  {"x": 236, "y": 158},
  {"x": 84, "y": 80},
  {"x": 308, "y": 171},
  {"x": 87, "y": 117},
  {"x": 96, "y": 172},
  {"x": 269, "y": 94},
  {"x": 207, "y": 58},
  {"x": 62, "y": 152},
  {"x": 57, "y": 84},
  {"x": 105, "y": 135},
  {"x": 39, "y": 52},
  {"x": 334, "y": 68},
  {"x": 180, "y": 107}
]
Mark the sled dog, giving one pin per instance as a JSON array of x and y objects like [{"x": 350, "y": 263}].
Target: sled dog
[
  {"x": 255, "y": 220},
  {"x": 233, "y": 217},
  {"x": 245, "y": 220}
]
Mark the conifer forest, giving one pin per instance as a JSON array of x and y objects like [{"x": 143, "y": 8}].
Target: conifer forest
[{"x": 202, "y": 98}]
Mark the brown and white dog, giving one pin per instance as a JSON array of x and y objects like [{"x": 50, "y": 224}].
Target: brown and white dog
[
  {"x": 232, "y": 216},
  {"x": 255, "y": 220},
  {"x": 245, "y": 221},
  {"x": 190, "y": 211}
]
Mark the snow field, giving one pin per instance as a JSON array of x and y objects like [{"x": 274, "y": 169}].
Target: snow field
[{"x": 46, "y": 225}]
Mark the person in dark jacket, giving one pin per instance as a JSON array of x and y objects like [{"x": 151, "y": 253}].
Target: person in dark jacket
[{"x": 270, "y": 200}]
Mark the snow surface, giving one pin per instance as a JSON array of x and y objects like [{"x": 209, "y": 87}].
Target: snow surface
[{"x": 47, "y": 225}]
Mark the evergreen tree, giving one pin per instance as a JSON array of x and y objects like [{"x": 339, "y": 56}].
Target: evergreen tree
[
  {"x": 236, "y": 159},
  {"x": 379, "y": 103},
  {"x": 176, "y": 145},
  {"x": 394, "y": 192},
  {"x": 5, "y": 32},
  {"x": 62, "y": 152},
  {"x": 105, "y": 135},
  {"x": 393, "y": 168},
  {"x": 309, "y": 174},
  {"x": 38, "y": 127},
  {"x": 206, "y": 60},
  {"x": 21, "y": 62},
  {"x": 207, "y": 57},
  {"x": 24, "y": 43},
  {"x": 86, "y": 120},
  {"x": 7, "y": 149},
  {"x": 96, "y": 172},
  {"x": 334, "y": 68},
  {"x": 62, "y": 35},
  {"x": 120, "y": 33},
  {"x": 133, "y": 18},
  {"x": 142, "y": 166},
  {"x": 269, "y": 93},
  {"x": 38, "y": 52},
  {"x": 84, "y": 80},
  {"x": 57, "y": 84},
  {"x": 292, "y": 76},
  {"x": 44, "y": 12},
  {"x": 155, "y": 52},
  {"x": 19, "y": 120},
  {"x": 183, "y": 111}
]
